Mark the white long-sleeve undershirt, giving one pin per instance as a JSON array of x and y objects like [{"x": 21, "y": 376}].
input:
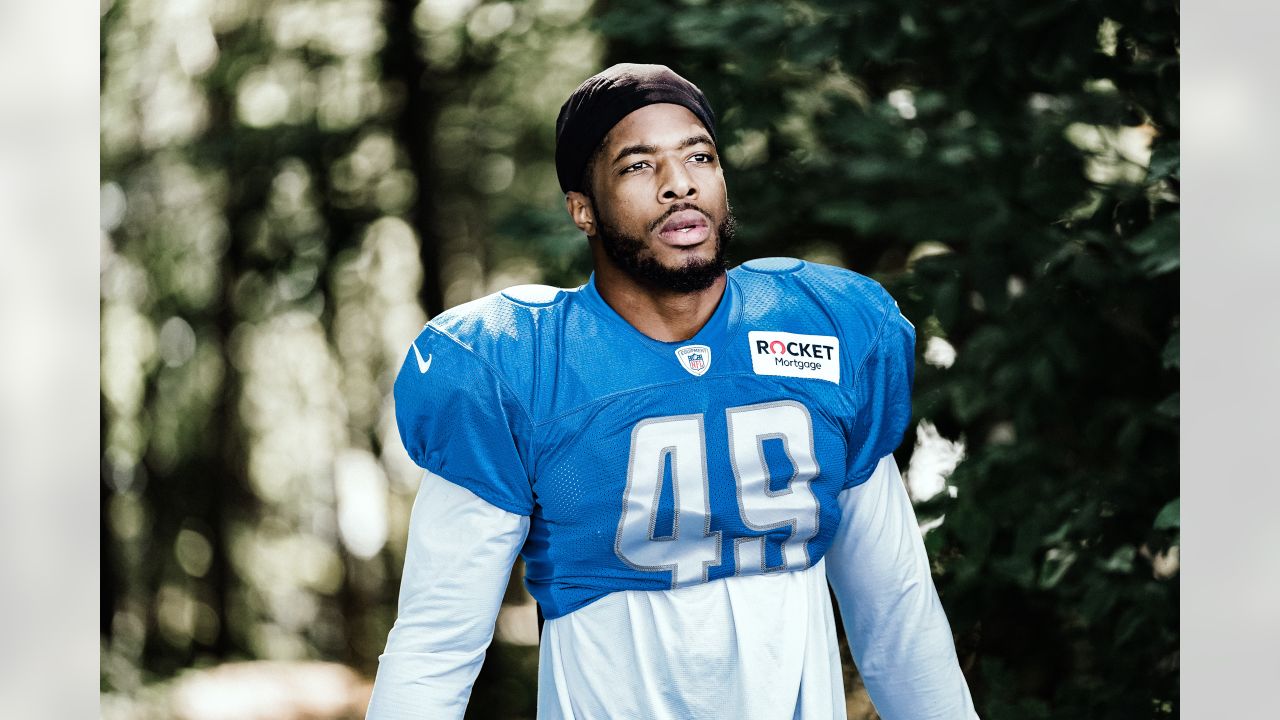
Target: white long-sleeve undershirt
[
  {"x": 457, "y": 562},
  {"x": 898, "y": 632},
  {"x": 758, "y": 646}
]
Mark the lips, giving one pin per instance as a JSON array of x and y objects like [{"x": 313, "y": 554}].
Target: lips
[{"x": 687, "y": 227}]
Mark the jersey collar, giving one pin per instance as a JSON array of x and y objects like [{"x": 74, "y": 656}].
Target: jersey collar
[{"x": 721, "y": 325}]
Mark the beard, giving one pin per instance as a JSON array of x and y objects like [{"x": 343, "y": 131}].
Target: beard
[{"x": 633, "y": 256}]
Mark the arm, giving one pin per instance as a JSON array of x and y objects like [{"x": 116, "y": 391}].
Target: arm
[
  {"x": 457, "y": 563},
  {"x": 897, "y": 630}
]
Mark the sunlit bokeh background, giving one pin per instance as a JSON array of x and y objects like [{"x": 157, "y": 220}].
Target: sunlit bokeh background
[{"x": 290, "y": 189}]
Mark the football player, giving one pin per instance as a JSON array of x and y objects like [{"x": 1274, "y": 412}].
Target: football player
[{"x": 684, "y": 457}]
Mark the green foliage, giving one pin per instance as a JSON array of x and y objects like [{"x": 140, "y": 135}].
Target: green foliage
[
  {"x": 1168, "y": 516},
  {"x": 279, "y": 180},
  {"x": 1011, "y": 172}
]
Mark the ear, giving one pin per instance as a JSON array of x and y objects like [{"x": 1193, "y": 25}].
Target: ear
[{"x": 580, "y": 211}]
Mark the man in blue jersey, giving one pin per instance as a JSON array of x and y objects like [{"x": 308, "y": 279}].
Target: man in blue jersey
[{"x": 684, "y": 456}]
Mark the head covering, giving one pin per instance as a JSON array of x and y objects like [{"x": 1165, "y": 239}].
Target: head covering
[{"x": 601, "y": 102}]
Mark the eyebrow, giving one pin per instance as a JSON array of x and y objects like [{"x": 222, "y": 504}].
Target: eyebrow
[{"x": 651, "y": 149}]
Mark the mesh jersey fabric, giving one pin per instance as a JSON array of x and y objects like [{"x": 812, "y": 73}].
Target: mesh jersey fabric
[{"x": 638, "y": 474}]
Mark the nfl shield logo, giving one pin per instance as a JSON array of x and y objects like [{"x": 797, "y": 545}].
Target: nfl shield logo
[{"x": 694, "y": 358}]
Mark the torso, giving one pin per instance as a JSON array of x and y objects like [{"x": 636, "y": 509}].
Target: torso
[{"x": 657, "y": 466}]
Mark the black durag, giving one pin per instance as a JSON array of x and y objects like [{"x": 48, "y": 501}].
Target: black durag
[{"x": 602, "y": 100}]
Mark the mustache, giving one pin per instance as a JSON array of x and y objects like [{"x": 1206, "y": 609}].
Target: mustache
[{"x": 675, "y": 209}]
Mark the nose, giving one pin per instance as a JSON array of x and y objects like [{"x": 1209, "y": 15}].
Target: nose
[{"x": 678, "y": 183}]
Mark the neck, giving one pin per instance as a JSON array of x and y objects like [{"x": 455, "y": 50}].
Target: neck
[{"x": 660, "y": 314}]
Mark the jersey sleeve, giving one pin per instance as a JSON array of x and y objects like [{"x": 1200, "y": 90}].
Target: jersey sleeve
[
  {"x": 882, "y": 389},
  {"x": 458, "y": 419}
]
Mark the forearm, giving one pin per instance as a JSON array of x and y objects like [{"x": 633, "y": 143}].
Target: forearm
[
  {"x": 457, "y": 563},
  {"x": 898, "y": 632}
]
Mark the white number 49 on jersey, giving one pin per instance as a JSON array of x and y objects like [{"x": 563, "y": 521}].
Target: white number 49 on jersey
[{"x": 692, "y": 547}]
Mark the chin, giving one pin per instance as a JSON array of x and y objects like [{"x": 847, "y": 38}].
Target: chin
[{"x": 656, "y": 265}]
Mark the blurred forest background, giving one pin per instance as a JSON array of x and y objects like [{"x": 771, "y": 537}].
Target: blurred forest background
[{"x": 291, "y": 188}]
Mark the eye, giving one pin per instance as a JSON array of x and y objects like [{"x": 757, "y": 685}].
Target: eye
[
  {"x": 703, "y": 157},
  {"x": 633, "y": 167}
]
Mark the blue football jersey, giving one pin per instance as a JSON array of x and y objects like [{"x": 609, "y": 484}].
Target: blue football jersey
[{"x": 647, "y": 465}]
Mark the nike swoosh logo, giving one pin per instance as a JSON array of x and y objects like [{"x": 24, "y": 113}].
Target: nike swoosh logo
[{"x": 423, "y": 365}]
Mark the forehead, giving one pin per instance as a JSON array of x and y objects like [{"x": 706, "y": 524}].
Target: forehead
[{"x": 662, "y": 124}]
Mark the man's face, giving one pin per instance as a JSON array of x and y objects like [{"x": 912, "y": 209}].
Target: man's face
[{"x": 660, "y": 207}]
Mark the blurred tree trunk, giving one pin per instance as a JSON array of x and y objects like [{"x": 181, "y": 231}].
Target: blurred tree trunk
[
  {"x": 108, "y": 563},
  {"x": 414, "y": 125},
  {"x": 225, "y": 468}
]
